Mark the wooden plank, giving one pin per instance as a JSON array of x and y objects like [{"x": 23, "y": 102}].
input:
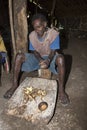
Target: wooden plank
[{"x": 29, "y": 110}]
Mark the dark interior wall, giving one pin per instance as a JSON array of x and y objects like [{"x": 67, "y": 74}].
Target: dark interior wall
[
  {"x": 74, "y": 23},
  {"x": 4, "y": 14},
  {"x": 69, "y": 21}
]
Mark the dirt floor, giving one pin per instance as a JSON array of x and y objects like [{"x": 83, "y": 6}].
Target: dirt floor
[{"x": 71, "y": 117}]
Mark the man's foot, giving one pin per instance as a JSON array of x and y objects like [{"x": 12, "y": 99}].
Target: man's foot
[
  {"x": 64, "y": 99},
  {"x": 9, "y": 93}
]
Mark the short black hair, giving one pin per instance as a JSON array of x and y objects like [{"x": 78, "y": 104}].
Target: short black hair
[{"x": 39, "y": 16}]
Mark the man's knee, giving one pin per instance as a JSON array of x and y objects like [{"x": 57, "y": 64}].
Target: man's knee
[
  {"x": 60, "y": 59},
  {"x": 20, "y": 56}
]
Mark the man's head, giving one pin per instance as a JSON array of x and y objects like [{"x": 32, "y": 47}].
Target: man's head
[{"x": 39, "y": 23}]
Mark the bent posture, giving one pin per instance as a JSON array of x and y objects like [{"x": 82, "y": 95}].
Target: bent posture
[{"x": 44, "y": 42}]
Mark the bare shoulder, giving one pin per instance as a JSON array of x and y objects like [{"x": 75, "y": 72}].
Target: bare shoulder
[{"x": 32, "y": 34}]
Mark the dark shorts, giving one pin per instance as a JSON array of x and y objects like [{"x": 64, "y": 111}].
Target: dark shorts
[{"x": 31, "y": 63}]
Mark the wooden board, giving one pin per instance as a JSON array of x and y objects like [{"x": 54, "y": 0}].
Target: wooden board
[{"x": 29, "y": 110}]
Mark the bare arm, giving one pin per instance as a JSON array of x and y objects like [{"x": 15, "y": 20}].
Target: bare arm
[
  {"x": 37, "y": 55},
  {"x": 51, "y": 55},
  {"x": 45, "y": 63}
]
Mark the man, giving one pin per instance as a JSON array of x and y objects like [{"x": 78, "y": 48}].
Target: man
[
  {"x": 3, "y": 51},
  {"x": 44, "y": 43},
  {"x": 3, "y": 56}
]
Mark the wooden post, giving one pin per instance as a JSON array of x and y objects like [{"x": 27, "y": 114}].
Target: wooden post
[
  {"x": 12, "y": 27},
  {"x": 53, "y": 7},
  {"x": 20, "y": 25},
  {"x": 18, "y": 22},
  {"x": 52, "y": 11}
]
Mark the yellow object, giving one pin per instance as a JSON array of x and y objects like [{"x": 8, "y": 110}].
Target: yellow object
[
  {"x": 2, "y": 46},
  {"x": 30, "y": 93}
]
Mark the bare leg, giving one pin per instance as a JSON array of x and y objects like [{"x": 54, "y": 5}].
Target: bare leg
[
  {"x": 62, "y": 96},
  {"x": 20, "y": 58}
]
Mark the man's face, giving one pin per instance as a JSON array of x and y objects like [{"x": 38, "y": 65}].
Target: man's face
[{"x": 39, "y": 27}]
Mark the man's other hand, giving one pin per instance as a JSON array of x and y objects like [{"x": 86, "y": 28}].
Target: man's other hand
[{"x": 44, "y": 64}]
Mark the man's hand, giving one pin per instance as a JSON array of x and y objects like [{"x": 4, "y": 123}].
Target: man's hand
[{"x": 44, "y": 64}]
